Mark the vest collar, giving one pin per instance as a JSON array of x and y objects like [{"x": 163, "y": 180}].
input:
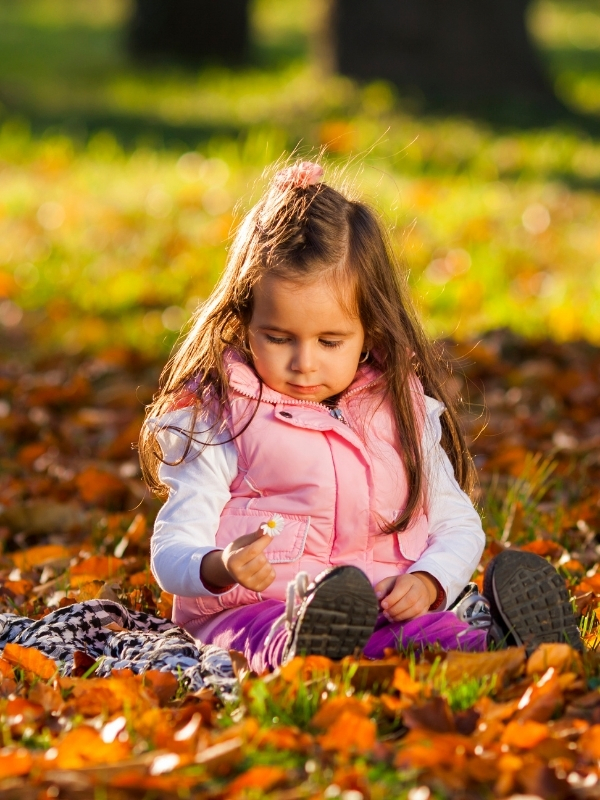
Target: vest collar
[{"x": 244, "y": 380}]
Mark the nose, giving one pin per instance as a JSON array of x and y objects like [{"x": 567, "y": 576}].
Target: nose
[{"x": 303, "y": 359}]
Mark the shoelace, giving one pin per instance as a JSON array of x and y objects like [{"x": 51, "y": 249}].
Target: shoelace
[
  {"x": 296, "y": 591},
  {"x": 477, "y": 612}
]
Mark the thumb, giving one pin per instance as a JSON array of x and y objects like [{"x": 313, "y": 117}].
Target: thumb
[
  {"x": 384, "y": 587},
  {"x": 258, "y": 538}
]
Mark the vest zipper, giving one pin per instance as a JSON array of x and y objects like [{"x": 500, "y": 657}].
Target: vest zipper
[{"x": 337, "y": 413}]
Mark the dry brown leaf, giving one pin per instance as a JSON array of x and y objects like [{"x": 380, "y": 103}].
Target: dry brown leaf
[
  {"x": 434, "y": 715},
  {"x": 163, "y": 684},
  {"x": 373, "y": 675},
  {"x": 47, "y": 696},
  {"x": 559, "y": 656},
  {"x": 505, "y": 664}
]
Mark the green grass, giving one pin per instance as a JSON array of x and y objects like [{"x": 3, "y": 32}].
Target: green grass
[{"x": 121, "y": 184}]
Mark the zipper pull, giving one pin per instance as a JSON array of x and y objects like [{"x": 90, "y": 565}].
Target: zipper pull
[{"x": 337, "y": 413}]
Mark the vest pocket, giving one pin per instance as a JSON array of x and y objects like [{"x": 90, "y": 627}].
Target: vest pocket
[
  {"x": 413, "y": 542},
  {"x": 287, "y": 546}
]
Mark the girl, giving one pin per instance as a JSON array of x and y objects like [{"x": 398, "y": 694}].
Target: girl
[{"x": 308, "y": 446}]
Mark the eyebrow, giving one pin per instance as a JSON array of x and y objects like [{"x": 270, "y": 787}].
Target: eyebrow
[{"x": 323, "y": 333}]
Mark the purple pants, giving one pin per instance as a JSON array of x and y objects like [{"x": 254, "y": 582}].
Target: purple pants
[{"x": 245, "y": 629}]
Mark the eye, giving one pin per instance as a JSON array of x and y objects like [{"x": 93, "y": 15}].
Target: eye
[
  {"x": 275, "y": 339},
  {"x": 329, "y": 343}
]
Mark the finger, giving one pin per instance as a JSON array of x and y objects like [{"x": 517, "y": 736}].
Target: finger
[
  {"x": 264, "y": 578},
  {"x": 242, "y": 542},
  {"x": 245, "y": 568},
  {"x": 254, "y": 548},
  {"x": 384, "y": 587},
  {"x": 399, "y": 590},
  {"x": 413, "y": 612},
  {"x": 261, "y": 579},
  {"x": 412, "y": 604}
]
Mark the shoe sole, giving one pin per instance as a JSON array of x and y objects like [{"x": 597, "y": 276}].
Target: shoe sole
[
  {"x": 338, "y": 617},
  {"x": 531, "y": 601}
]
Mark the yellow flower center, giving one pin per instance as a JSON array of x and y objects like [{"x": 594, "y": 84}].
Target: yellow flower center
[{"x": 271, "y": 523}]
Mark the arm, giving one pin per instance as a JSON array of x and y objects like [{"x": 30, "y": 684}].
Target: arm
[
  {"x": 456, "y": 538},
  {"x": 187, "y": 523}
]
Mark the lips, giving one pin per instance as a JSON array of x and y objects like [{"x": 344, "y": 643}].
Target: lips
[{"x": 305, "y": 389}]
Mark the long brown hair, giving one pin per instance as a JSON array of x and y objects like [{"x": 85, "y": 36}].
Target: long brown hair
[{"x": 298, "y": 233}]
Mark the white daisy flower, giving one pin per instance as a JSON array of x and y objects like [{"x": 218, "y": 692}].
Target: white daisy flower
[{"x": 274, "y": 526}]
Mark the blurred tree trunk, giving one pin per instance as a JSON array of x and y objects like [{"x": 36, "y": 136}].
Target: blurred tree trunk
[
  {"x": 469, "y": 49},
  {"x": 190, "y": 30}
]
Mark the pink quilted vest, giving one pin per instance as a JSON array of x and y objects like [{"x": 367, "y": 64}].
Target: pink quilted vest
[{"x": 334, "y": 479}]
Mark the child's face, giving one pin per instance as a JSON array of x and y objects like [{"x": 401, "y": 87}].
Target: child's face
[{"x": 303, "y": 342}]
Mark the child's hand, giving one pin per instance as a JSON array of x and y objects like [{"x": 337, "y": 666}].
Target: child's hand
[
  {"x": 407, "y": 596},
  {"x": 246, "y": 563}
]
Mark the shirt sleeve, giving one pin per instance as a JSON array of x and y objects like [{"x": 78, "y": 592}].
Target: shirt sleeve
[
  {"x": 186, "y": 525},
  {"x": 456, "y": 538}
]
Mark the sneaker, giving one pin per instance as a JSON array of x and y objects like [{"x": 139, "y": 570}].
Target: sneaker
[
  {"x": 473, "y": 608},
  {"x": 336, "y": 616},
  {"x": 529, "y": 601}
]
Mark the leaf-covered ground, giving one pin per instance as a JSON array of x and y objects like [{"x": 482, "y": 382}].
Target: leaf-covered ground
[
  {"x": 108, "y": 239},
  {"x": 75, "y": 524}
]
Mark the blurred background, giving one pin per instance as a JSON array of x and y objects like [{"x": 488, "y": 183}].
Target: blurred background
[{"x": 134, "y": 134}]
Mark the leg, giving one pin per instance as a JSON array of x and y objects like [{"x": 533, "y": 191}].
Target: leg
[
  {"x": 438, "y": 627},
  {"x": 245, "y": 629}
]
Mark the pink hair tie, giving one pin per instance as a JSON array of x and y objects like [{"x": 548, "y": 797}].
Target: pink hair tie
[{"x": 299, "y": 176}]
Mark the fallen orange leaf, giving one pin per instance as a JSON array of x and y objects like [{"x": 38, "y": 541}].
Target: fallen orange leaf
[
  {"x": 589, "y": 743},
  {"x": 34, "y": 556},
  {"x": 332, "y": 709},
  {"x": 404, "y": 683},
  {"x": 31, "y": 660},
  {"x": 83, "y": 747},
  {"x": 545, "y": 548},
  {"x": 97, "y": 568},
  {"x": 6, "y": 669},
  {"x": 350, "y": 732},
  {"x": 14, "y": 761},
  {"x": 422, "y": 748},
  {"x": 98, "y": 487},
  {"x": 303, "y": 668},
  {"x": 17, "y": 588},
  {"x": 524, "y": 734},
  {"x": 259, "y": 779}
]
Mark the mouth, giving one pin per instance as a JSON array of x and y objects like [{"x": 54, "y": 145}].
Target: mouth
[{"x": 305, "y": 389}]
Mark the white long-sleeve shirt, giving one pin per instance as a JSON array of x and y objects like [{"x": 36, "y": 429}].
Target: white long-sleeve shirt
[{"x": 187, "y": 523}]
